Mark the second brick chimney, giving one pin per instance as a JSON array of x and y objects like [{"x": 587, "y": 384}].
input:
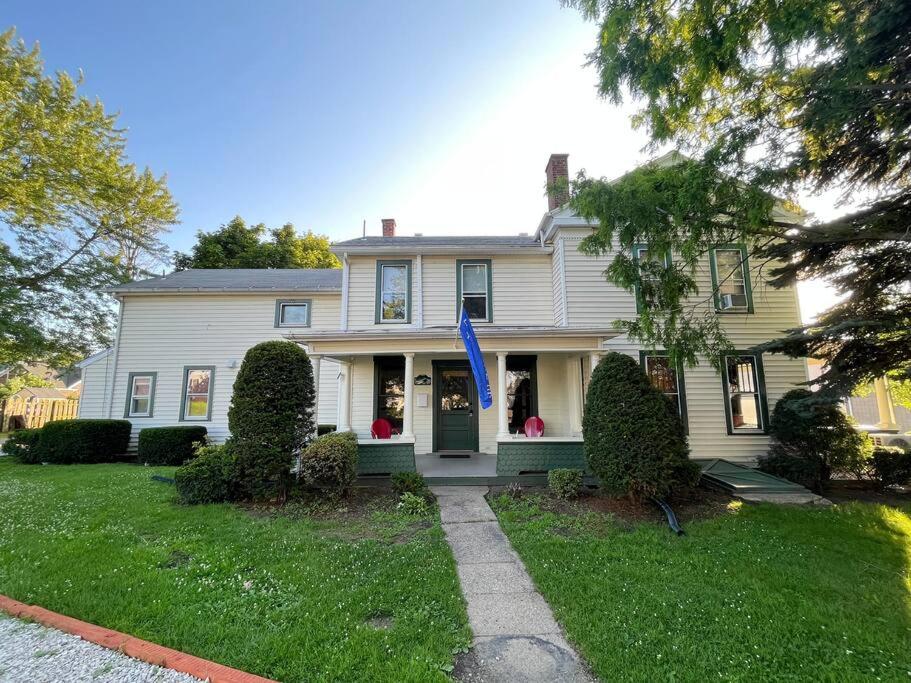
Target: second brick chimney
[
  {"x": 388, "y": 227},
  {"x": 557, "y": 171}
]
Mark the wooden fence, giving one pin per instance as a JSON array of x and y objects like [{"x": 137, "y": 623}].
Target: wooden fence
[{"x": 31, "y": 412}]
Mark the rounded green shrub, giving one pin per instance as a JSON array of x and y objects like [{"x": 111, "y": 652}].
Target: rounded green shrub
[
  {"x": 21, "y": 445},
  {"x": 633, "y": 438},
  {"x": 83, "y": 441},
  {"x": 565, "y": 483},
  {"x": 890, "y": 466},
  {"x": 408, "y": 482},
  {"x": 169, "y": 445},
  {"x": 812, "y": 438},
  {"x": 271, "y": 417},
  {"x": 330, "y": 462},
  {"x": 208, "y": 477}
]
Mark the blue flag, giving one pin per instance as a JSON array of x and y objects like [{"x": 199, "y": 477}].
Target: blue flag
[{"x": 476, "y": 360}]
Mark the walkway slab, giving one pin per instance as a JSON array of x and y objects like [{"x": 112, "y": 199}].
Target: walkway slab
[{"x": 516, "y": 637}]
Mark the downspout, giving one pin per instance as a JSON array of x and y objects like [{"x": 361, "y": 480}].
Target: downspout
[{"x": 109, "y": 391}]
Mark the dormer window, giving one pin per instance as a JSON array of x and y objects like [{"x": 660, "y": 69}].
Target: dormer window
[
  {"x": 393, "y": 291},
  {"x": 473, "y": 289},
  {"x": 731, "y": 279}
]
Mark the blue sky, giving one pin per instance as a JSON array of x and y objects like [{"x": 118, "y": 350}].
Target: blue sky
[{"x": 441, "y": 114}]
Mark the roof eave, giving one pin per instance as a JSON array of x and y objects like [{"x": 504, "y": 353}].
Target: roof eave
[
  {"x": 397, "y": 250},
  {"x": 219, "y": 290}
]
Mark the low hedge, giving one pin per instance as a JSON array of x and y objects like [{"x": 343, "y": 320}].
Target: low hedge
[
  {"x": 170, "y": 445},
  {"x": 209, "y": 477},
  {"x": 330, "y": 461},
  {"x": 82, "y": 441},
  {"x": 21, "y": 445},
  {"x": 890, "y": 466}
]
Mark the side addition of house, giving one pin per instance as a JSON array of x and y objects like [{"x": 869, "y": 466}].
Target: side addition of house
[{"x": 382, "y": 335}]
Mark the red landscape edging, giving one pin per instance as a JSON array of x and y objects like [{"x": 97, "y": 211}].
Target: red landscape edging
[{"x": 137, "y": 648}]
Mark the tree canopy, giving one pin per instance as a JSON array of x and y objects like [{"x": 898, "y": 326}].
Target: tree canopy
[
  {"x": 769, "y": 100},
  {"x": 237, "y": 245},
  {"x": 75, "y": 215}
]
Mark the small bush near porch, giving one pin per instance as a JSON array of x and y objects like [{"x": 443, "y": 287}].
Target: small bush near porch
[
  {"x": 347, "y": 591},
  {"x": 752, "y": 592}
]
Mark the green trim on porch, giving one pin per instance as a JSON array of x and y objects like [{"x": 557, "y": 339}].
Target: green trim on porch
[
  {"x": 385, "y": 457},
  {"x": 526, "y": 456}
]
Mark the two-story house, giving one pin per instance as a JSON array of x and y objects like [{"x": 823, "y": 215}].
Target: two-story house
[{"x": 382, "y": 335}]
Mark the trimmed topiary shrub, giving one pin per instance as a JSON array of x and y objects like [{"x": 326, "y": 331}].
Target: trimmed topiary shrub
[
  {"x": 890, "y": 466},
  {"x": 330, "y": 462},
  {"x": 21, "y": 445},
  {"x": 208, "y": 477},
  {"x": 633, "y": 438},
  {"x": 812, "y": 438},
  {"x": 170, "y": 445},
  {"x": 565, "y": 483},
  {"x": 271, "y": 417},
  {"x": 83, "y": 441}
]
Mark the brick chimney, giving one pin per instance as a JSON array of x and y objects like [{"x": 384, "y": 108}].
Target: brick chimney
[
  {"x": 388, "y": 227},
  {"x": 557, "y": 171}
]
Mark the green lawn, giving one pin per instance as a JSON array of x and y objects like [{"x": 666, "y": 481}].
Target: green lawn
[
  {"x": 285, "y": 597},
  {"x": 762, "y": 593}
]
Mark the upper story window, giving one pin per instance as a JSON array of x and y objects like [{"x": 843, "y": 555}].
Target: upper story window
[
  {"x": 474, "y": 285},
  {"x": 731, "y": 279},
  {"x": 744, "y": 393},
  {"x": 198, "y": 384},
  {"x": 393, "y": 291},
  {"x": 140, "y": 394},
  {"x": 292, "y": 313},
  {"x": 641, "y": 254},
  {"x": 665, "y": 377}
]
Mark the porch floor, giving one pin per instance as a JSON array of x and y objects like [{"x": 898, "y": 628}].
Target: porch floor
[{"x": 431, "y": 465}]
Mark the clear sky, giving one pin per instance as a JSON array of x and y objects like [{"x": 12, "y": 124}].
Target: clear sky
[{"x": 327, "y": 113}]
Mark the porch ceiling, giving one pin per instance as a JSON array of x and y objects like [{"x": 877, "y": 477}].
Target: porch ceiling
[{"x": 447, "y": 340}]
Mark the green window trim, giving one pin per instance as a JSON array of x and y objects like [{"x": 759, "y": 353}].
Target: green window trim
[
  {"x": 760, "y": 389},
  {"x": 379, "y": 293},
  {"x": 381, "y": 364},
  {"x": 747, "y": 285},
  {"x": 681, "y": 384},
  {"x": 636, "y": 248},
  {"x": 281, "y": 303},
  {"x": 154, "y": 380},
  {"x": 183, "y": 393},
  {"x": 474, "y": 262}
]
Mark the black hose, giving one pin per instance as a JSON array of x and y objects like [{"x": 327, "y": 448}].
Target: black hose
[
  {"x": 671, "y": 517},
  {"x": 164, "y": 480}
]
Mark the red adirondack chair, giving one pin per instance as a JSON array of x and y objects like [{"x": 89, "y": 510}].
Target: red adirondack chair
[
  {"x": 534, "y": 426},
  {"x": 382, "y": 429}
]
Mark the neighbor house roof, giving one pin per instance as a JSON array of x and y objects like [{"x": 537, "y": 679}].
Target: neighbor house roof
[
  {"x": 41, "y": 392},
  {"x": 94, "y": 358},
  {"x": 418, "y": 244},
  {"x": 238, "y": 280}
]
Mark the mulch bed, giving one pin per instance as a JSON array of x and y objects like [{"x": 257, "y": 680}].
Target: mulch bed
[{"x": 846, "y": 490}]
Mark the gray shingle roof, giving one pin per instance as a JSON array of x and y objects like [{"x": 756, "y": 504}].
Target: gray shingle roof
[
  {"x": 240, "y": 280},
  {"x": 469, "y": 241}
]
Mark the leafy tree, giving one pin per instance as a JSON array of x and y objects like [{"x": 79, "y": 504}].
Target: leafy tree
[
  {"x": 26, "y": 379},
  {"x": 771, "y": 99},
  {"x": 76, "y": 215},
  {"x": 812, "y": 438},
  {"x": 271, "y": 417},
  {"x": 633, "y": 437},
  {"x": 237, "y": 245}
]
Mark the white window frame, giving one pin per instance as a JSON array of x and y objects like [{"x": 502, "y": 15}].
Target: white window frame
[
  {"x": 131, "y": 394},
  {"x": 282, "y": 304},
  {"x": 186, "y": 395},
  {"x": 488, "y": 317}
]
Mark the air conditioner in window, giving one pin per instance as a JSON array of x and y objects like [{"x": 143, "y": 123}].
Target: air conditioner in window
[{"x": 733, "y": 301}]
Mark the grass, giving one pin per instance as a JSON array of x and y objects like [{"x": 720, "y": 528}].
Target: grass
[
  {"x": 289, "y": 597},
  {"x": 761, "y": 593}
]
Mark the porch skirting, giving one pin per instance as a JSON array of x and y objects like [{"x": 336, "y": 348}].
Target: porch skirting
[
  {"x": 521, "y": 456},
  {"x": 385, "y": 457}
]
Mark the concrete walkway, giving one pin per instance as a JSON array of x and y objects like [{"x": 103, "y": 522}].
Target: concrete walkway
[{"x": 516, "y": 637}]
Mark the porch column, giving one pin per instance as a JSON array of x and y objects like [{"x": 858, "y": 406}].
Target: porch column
[
  {"x": 884, "y": 405},
  {"x": 344, "y": 397},
  {"x": 315, "y": 361},
  {"x": 593, "y": 359},
  {"x": 502, "y": 423},
  {"x": 408, "y": 408},
  {"x": 574, "y": 387}
]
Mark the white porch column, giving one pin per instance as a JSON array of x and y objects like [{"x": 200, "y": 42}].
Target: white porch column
[
  {"x": 502, "y": 423},
  {"x": 884, "y": 405},
  {"x": 593, "y": 359},
  {"x": 315, "y": 362},
  {"x": 574, "y": 387},
  {"x": 344, "y": 397},
  {"x": 408, "y": 408}
]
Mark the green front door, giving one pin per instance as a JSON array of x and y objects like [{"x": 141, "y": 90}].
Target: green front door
[{"x": 455, "y": 399}]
